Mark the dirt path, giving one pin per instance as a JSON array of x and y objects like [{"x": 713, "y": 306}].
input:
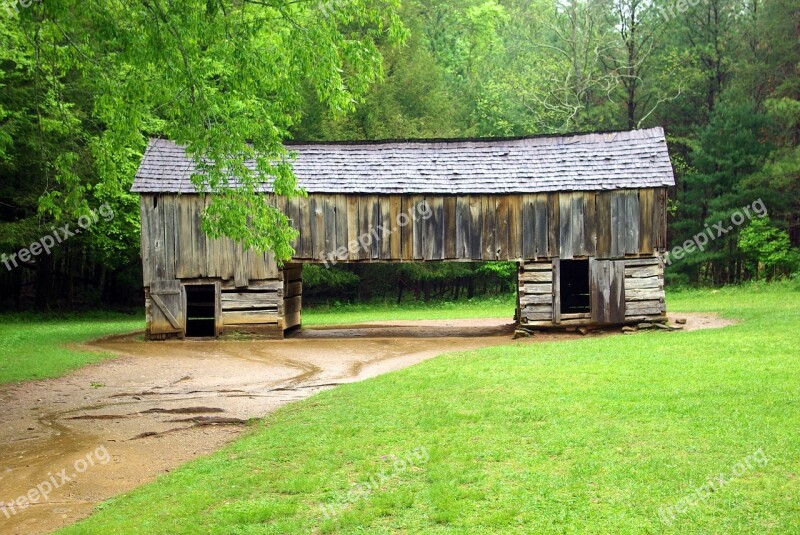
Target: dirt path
[{"x": 109, "y": 427}]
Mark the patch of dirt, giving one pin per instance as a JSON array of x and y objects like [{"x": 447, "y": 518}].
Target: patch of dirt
[
  {"x": 48, "y": 428},
  {"x": 183, "y": 410},
  {"x": 696, "y": 320}
]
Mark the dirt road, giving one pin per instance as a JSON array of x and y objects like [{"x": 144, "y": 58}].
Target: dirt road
[{"x": 109, "y": 427}]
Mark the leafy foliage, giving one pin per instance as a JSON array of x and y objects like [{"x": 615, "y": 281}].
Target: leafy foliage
[
  {"x": 85, "y": 86},
  {"x": 767, "y": 246}
]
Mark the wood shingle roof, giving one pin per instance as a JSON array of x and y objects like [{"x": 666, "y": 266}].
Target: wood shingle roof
[{"x": 574, "y": 162}]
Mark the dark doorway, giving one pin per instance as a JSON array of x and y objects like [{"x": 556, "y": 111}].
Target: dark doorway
[
  {"x": 574, "y": 287},
  {"x": 201, "y": 310}
]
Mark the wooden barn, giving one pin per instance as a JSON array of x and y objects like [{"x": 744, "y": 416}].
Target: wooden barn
[{"x": 583, "y": 215}]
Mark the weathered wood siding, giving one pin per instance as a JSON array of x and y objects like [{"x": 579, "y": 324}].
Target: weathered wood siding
[
  {"x": 536, "y": 291},
  {"x": 255, "y": 307},
  {"x": 358, "y": 228},
  {"x": 607, "y": 291},
  {"x": 292, "y": 295},
  {"x": 338, "y": 228},
  {"x": 622, "y": 231},
  {"x": 644, "y": 288},
  {"x": 164, "y": 309},
  {"x": 175, "y": 247},
  {"x": 622, "y": 291}
]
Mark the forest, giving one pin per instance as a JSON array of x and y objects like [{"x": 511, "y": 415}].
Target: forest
[{"x": 85, "y": 85}]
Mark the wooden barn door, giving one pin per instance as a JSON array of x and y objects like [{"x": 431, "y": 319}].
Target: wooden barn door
[
  {"x": 166, "y": 309},
  {"x": 607, "y": 290}
]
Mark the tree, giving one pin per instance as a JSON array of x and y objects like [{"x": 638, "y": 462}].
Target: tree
[
  {"x": 764, "y": 245},
  {"x": 225, "y": 79}
]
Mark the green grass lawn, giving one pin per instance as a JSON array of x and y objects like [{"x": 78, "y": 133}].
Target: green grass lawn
[
  {"x": 32, "y": 345},
  {"x": 484, "y": 307},
  {"x": 584, "y": 436}
]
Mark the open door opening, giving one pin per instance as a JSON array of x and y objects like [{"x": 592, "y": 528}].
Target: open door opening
[
  {"x": 574, "y": 287},
  {"x": 200, "y": 310}
]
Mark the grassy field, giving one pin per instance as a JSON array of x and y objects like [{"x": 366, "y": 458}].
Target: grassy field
[
  {"x": 32, "y": 346},
  {"x": 494, "y": 307},
  {"x": 597, "y": 435}
]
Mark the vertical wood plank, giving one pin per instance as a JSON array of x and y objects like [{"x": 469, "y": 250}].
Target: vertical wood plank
[
  {"x": 375, "y": 235},
  {"x": 589, "y": 224},
  {"x": 329, "y": 224},
  {"x": 603, "y": 224},
  {"x": 226, "y": 254},
  {"x": 660, "y": 219},
  {"x": 271, "y": 270},
  {"x": 395, "y": 208},
  {"x": 214, "y": 259},
  {"x": 463, "y": 239},
  {"x": 542, "y": 215},
  {"x": 617, "y": 291},
  {"x": 209, "y": 262},
  {"x": 240, "y": 263},
  {"x": 200, "y": 240},
  {"x": 489, "y": 227},
  {"x": 146, "y": 213},
  {"x": 407, "y": 229},
  {"x": 364, "y": 219},
  {"x": 428, "y": 225},
  {"x": 553, "y": 221},
  {"x": 386, "y": 227},
  {"x": 260, "y": 268},
  {"x": 618, "y": 232},
  {"x": 256, "y": 266},
  {"x": 598, "y": 292},
  {"x": 158, "y": 241},
  {"x": 217, "y": 308},
  {"x": 565, "y": 240},
  {"x": 168, "y": 203},
  {"x": 476, "y": 227},
  {"x": 556, "y": 290},
  {"x": 434, "y": 228},
  {"x": 185, "y": 266},
  {"x": 342, "y": 227},
  {"x": 419, "y": 228},
  {"x": 502, "y": 228},
  {"x": 576, "y": 226},
  {"x": 515, "y": 227},
  {"x": 646, "y": 197},
  {"x": 632, "y": 220},
  {"x": 528, "y": 227},
  {"x": 322, "y": 217},
  {"x": 449, "y": 216},
  {"x": 293, "y": 213},
  {"x": 518, "y": 312},
  {"x": 352, "y": 226},
  {"x": 306, "y": 249}
]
